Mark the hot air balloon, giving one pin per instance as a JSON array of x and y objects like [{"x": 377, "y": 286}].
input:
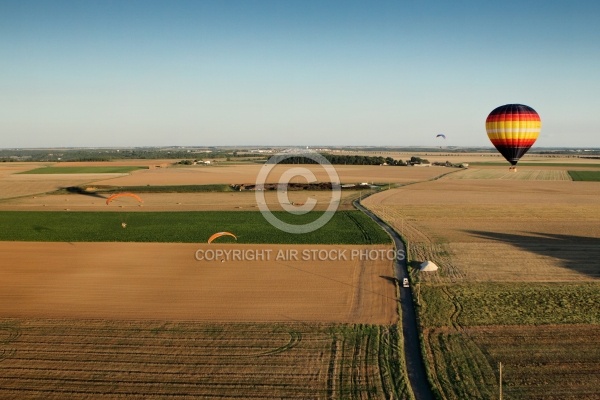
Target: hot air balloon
[
  {"x": 512, "y": 129},
  {"x": 219, "y": 234}
]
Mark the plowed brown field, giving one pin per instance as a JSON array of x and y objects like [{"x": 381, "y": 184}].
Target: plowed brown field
[{"x": 165, "y": 281}]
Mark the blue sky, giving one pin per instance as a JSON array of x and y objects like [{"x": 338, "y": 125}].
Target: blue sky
[{"x": 193, "y": 73}]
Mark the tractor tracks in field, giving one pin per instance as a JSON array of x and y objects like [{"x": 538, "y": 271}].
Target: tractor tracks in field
[{"x": 8, "y": 335}]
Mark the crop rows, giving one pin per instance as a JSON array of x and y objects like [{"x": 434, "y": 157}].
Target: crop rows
[
  {"x": 539, "y": 362},
  {"x": 144, "y": 360}
]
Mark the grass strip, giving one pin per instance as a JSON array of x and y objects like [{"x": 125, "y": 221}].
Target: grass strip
[{"x": 585, "y": 176}]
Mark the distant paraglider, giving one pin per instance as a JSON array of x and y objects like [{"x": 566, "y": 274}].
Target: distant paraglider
[
  {"x": 116, "y": 196},
  {"x": 219, "y": 234},
  {"x": 513, "y": 129},
  {"x": 441, "y": 135}
]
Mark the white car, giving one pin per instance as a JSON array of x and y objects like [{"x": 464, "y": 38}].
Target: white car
[{"x": 405, "y": 282}]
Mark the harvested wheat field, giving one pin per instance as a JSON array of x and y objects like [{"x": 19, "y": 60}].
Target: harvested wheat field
[
  {"x": 496, "y": 229},
  {"x": 519, "y": 258},
  {"x": 166, "y": 281},
  {"x": 14, "y": 184},
  {"x": 205, "y": 201},
  {"x": 247, "y": 174},
  {"x": 100, "y": 359},
  {"x": 524, "y": 173}
]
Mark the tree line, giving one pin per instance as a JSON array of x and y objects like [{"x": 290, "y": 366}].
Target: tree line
[{"x": 338, "y": 159}]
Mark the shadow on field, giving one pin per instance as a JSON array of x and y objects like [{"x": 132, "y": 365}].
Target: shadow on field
[
  {"x": 78, "y": 190},
  {"x": 415, "y": 264},
  {"x": 44, "y": 229},
  {"x": 389, "y": 279},
  {"x": 578, "y": 253}
]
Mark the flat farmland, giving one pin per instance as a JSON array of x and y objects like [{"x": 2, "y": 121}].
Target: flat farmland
[
  {"x": 591, "y": 176},
  {"x": 526, "y": 174},
  {"x": 173, "y": 320},
  {"x": 205, "y": 201},
  {"x": 478, "y": 157},
  {"x": 248, "y": 173},
  {"x": 81, "y": 170},
  {"x": 518, "y": 280},
  {"x": 168, "y": 281},
  {"x": 100, "y": 359},
  {"x": 14, "y": 183},
  {"x": 549, "y": 362},
  {"x": 499, "y": 230},
  {"x": 344, "y": 227}
]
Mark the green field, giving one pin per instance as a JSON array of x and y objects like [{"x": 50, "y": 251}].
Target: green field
[
  {"x": 191, "y": 360},
  {"x": 84, "y": 170},
  {"x": 346, "y": 227},
  {"x": 479, "y": 304},
  {"x": 550, "y": 362},
  {"x": 544, "y": 334},
  {"x": 590, "y": 176}
]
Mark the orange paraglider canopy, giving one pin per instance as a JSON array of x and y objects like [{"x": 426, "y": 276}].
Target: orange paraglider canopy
[
  {"x": 115, "y": 196},
  {"x": 219, "y": 234}
]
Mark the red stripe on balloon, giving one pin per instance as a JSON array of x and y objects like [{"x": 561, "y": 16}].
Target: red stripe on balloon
[
  {"x": 512, "y": 117},
  {"x": 516, "y": 142}
]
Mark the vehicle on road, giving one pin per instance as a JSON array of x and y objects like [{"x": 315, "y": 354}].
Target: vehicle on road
[{"x": 405, "y": 282}]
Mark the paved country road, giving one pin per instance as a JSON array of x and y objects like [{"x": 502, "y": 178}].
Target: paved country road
[{"x": 412, "y": 347}]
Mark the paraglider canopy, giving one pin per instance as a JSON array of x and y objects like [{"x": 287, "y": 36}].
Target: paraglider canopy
[
  {"x": 116, "y": 196},
  {"x": 512, "y": 129},
  {"x": 219, "y": 234},
  {"x": 125, "y": 194},
  {"x": 441, "y": 135}
]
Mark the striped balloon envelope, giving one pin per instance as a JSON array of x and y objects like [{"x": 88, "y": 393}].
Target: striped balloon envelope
[{"x": 512, "y": 129}]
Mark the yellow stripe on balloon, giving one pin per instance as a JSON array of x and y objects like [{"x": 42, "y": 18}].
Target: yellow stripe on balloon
[{"x": 514, "y": 135}]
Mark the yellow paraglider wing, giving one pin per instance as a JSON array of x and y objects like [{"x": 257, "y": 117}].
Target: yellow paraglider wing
[{"x": 219, "y": 234}]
